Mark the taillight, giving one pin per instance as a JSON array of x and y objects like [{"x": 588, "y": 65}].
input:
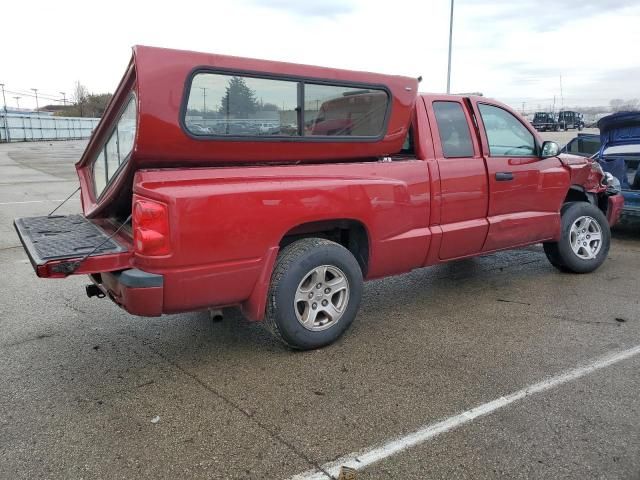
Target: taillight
[{"x": 150, "y": 227}]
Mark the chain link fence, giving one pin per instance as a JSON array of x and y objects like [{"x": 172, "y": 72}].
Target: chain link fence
[{"x": 18, "y": 127}]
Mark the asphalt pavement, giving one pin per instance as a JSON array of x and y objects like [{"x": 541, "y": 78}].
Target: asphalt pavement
[{"x": 88, "y": 391}]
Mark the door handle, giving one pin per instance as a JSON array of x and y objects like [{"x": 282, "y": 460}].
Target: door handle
[{"x": 504, "y": 176}]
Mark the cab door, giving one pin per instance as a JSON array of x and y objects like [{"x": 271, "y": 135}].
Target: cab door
[
  {"x": 464, "y": 190},
  {"x": 525, "y": 191}
]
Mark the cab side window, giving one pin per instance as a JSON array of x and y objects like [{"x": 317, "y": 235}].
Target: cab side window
[
  {"x": 507, "y": 136},
  {"x": 454, "y": 130}
]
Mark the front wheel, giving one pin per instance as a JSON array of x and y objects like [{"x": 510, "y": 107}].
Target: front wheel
[
  {"x": 584, "y": 242},
  {"x": 314, "y": 294}
]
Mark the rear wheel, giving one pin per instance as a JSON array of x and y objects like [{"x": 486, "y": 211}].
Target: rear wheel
[
  {"x": 314, "y": 294},
  {"x": 584, "y": 242}
]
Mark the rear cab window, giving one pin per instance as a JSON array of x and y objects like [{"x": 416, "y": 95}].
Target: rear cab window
[{"x": 225, "y": 105}]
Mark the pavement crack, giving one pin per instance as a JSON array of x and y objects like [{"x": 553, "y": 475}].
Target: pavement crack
[
  {"x": 10, "y": 248},
  {"x": 591, "y": 322},
  {"x": 512, "y": 301},
  {"x": 249, "y": 415},
  {"x": 30, "y": 339}
]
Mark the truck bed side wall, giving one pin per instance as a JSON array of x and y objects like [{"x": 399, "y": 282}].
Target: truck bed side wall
[{"x": 227, "y": 223}]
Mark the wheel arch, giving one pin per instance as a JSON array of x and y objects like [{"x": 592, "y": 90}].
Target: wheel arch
[
  {"x": 350, "y": 233},
  {"x": 577, "y": 193}
]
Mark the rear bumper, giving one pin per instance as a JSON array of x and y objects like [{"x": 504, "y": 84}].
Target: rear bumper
[
  {"x": 614, "y": 208},
  {"x": 136, "y": 291}
]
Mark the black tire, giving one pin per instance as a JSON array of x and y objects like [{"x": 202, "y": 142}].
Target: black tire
[
  {"x": 561, "y": 254},
  {"x": 551, "y": 251},
  {"x": 294, "y": 264}
]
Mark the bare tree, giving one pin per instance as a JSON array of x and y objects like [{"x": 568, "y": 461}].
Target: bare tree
[
  {"x": 80, "y": 94},
  {"x": 620, "y": 105}
]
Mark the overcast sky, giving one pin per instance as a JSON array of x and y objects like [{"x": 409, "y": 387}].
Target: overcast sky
[{"x": 511, "y": 50}]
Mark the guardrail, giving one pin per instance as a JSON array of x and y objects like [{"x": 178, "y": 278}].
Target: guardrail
[{"x": 18, "y": 127}]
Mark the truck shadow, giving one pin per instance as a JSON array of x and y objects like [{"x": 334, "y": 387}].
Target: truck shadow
[{"x": 430, "y": 292}]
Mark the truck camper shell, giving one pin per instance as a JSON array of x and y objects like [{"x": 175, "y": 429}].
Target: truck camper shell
[{"x": 185, "y": 109}]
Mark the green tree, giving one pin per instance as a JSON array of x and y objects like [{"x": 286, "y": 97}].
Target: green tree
[{"x": 239, "y": 100}]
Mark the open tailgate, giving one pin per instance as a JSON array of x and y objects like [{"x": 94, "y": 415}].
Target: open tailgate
[{"x": 62, "y": 245}]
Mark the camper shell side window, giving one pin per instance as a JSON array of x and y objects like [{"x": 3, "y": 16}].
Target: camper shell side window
[{"x": 226, "y": 105}]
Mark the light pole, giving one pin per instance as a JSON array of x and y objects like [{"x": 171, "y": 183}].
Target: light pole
[
  {"x": 450, "y": 39},
  {"x": 35, "y": 90},
  {"x": 64, "y": 98}
]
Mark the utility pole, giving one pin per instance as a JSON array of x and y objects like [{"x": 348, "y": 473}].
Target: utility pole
[
  {"x": 18, "y": 102},
  {"x": 4, "y": 100},
  {"x": 4, "y": 103},
  {"x": 450, "y": 41},
  {"x": 204, "y": 101},
  {"x": 64, "y": 98},
  {"x": 35, "y": 90}
]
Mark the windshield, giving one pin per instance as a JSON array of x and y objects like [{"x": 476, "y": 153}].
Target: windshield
[{"x": 116, "y": 150}]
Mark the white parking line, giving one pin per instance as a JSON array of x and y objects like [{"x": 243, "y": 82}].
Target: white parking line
[
  {"x": 364, "y": 458},
  {"x": 28, "y": 201}
]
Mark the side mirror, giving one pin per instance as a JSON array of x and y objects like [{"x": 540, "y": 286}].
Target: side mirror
[{"x": 550, "y": 149}]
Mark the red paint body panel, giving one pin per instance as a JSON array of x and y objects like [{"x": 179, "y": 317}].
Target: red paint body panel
[
  {"x": 226, "y": 223},
  {"x": 463, "y": 195},
  {"x": 226, "y": 216}
]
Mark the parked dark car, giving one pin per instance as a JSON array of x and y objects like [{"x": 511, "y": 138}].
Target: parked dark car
[
  {"x": 619, "y": 154},
  {"x": 585, "y": 145},
  {"x": 544, "y": 122},
  {"x": 568, "y": 119}
]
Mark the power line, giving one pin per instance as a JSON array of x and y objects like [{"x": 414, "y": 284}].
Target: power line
[{"x": 39, "y": 95}]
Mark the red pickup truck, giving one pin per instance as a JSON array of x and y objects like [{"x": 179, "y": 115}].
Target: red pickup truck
[{"x": 216, "y": 181}]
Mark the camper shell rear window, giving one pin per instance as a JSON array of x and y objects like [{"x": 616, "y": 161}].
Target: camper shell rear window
[
  {"x": 116, "y": 150},
  {"x": 235, "y": 106}
]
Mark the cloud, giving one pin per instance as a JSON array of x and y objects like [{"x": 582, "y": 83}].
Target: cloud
[
  {"x": 546, "y": 15},
  {"x": 309, "y": 8}
]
